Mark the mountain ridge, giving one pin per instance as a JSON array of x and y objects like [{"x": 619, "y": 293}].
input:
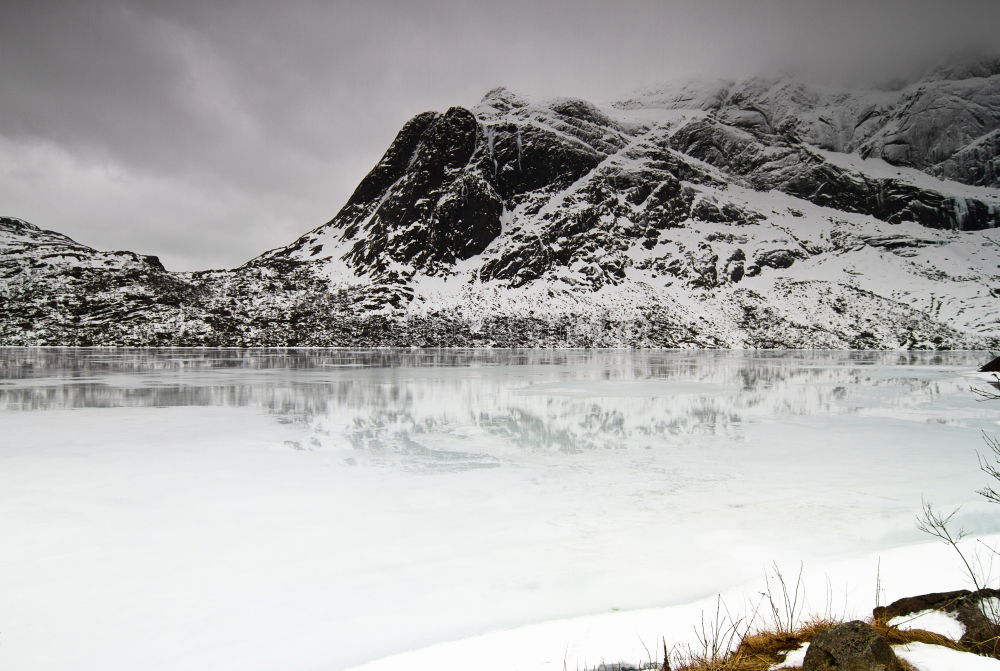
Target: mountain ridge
[{"x": 724, "y": 215}]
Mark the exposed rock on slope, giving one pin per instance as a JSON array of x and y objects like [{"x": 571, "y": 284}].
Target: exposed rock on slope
[
  {"x": 52, "y": 288},
  {"x": 951, "y": 113},
  {"x": 747, "y": 214}
]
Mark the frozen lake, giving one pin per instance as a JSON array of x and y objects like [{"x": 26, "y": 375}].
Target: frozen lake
[{"x": 233, "y": 509}]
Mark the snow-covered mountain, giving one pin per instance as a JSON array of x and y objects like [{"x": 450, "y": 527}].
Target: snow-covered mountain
[{"x": 753, "y": 213}]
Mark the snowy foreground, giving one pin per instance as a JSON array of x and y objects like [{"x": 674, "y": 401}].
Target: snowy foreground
[
  {"x": 843, "y": 589},
  {"x": 261, "y": 510}
]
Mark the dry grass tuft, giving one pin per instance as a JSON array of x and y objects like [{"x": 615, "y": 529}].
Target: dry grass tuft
[
  {"x": 815, "y": 626},
  {"x": 899, "y": 636},
  {"x": 760, "y": 650}
]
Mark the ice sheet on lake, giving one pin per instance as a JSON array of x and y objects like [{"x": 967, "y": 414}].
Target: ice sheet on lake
[{"x": 278, "y": 509}]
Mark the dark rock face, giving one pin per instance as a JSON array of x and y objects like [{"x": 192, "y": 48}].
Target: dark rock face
[
  {"x": 438, "y": 210},
  {"x": 940, "y": 121},
  {"x": 779, "y": 258},
  {"x": 976, "y": 163},
  {"x": 774, "y": 162},
  {"x": 735, "y": 268},
  {"x": 393, "y": 164},
  {"x": 852, "y": 646},
  {"x": 991, "y": 367},
  {"x": 978, "y": 612}
]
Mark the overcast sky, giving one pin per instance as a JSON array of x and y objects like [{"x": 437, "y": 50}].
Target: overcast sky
[{"x": 206, "y": 132}]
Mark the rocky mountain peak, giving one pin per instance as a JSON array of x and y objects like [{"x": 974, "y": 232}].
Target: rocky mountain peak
[
  {"x": 754, "y": 213},
  {"x": 967, "y": 66},
  {"x": 501, "y": 99}
]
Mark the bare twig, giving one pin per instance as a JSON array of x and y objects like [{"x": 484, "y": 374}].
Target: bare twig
[
  {"x": 990, "y": 467},
  {"x": 786, "y": 607},
  {"x": 878, "y": 583},
  {"x": 936, "y": 524},
  {"x": 649, "y": 656}
]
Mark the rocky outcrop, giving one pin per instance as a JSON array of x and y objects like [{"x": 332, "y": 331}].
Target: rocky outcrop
[
  {"x": 774, "y": 162},
  {"x": 977, "y": 162},
  {"x": 991, "y": 366},
  {"x": 852, "y": 646},
  {"x": 428, "y": 203},
  {"x": 978, "y": 612},
  {"x": 941, "y": 117}
]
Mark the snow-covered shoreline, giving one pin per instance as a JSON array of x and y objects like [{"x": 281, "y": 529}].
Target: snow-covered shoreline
[{"x": 844, "y": 589}]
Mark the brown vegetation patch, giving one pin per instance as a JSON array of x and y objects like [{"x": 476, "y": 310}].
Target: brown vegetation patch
[
  {"x": 760, "y": 650},
  {"x": 897, "y": 636}
]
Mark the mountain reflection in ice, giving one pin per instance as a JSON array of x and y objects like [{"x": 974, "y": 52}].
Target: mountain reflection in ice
[{"x": 460, "y": 409}]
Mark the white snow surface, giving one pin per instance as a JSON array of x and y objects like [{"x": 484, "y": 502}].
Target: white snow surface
[
  {"x": 934, "y": 621},
  {"x": 793, "y": 659},
  {"x": 926, "y": 657},
  {"x": 214, "y": 509}
]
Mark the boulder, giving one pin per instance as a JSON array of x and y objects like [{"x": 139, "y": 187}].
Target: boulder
[
  {"x": 778, "y": 258},
  {"x": 992, "y": 367},
  {"x": 852, "y": 646},
  {"x": 978, "y": 612}
]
